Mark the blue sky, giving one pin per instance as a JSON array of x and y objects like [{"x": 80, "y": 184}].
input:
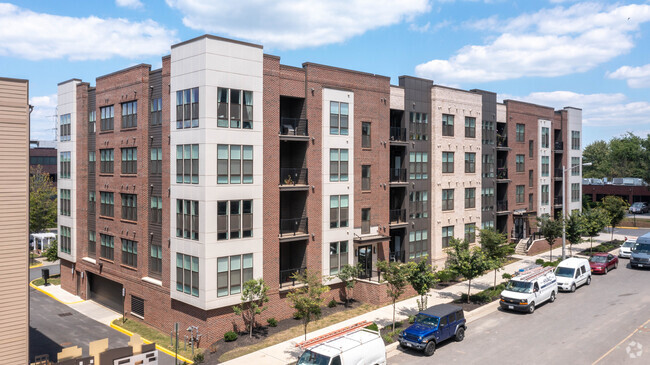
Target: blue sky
[{"x": 594, "y": 55}]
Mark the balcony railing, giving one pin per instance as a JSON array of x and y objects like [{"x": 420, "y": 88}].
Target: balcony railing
[
  {"x": 502, "y": 205},
  {"x": 286, "y": 276},
  {"x": 397, "y": 216},
  {"x": 502, "y": 173},
  {"x": 397, "y": 256},
  {"x": 502, "y": 141},
  {"x": 559, "y": 145},
  {"x": 558, "y": 172},
  {"x": 398, "y": 175},
  {"x": 291, "y": 176},
  {"x": 398, "y": 134},
  {"x": 557, "y": 200},
  {"x": 293, "y": 127},
  {"x": 293, "y": 226}
]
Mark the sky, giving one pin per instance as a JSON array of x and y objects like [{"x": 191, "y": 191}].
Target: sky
[{"x": 593, "y": 55}]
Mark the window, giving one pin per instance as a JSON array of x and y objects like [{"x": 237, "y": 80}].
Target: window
[
  {"x": 64, "y": 201},
  {"x": 234, "y": 219},
  {"x": 530, "y": 202},
  {"x": 447, "y": 162},
  {"x": 470, "y": 162},
  {"x": 129, "y": 160},
  {"x": 365, "y": 135},
  {"x": 544, "y": 194},
  {"x": 130, "y": 114},
  {"x": 519, "y": 194},
  {"x": 470, "y": 232},
  {"x": 92, "y": 199},
  {"x": 365, "y": 177},
  {"x": 470, "y": 127},
  {"x": 545, "y": 137},
  {"x": 65, "y": 239},
  {"x": 155, "y": 260},
  {"x": 235, "y": 161},
  {"x": 107, "y": 246},
  {"x": 92, "y": 244},
  {"x": 339, "y": 118},
  {"x": 575, "y": 140},
  {"x": 187, "y": 219},
  {"x": 338, "y": 164},
  {"x": 418, "y": 243},
  {"x": 575, "y": 166},
  {"x": 545, "y": 165},
  {"x": 531, "y": 147},
  {"x": 107, "y": 115},
  {"x": 339, "y": 205},
  {"x": 488, "y": 135},
  {"x": 64, "y": 161},
  {"x": 487, "y": 199},
  {"x": 447, "y": 125},
  {"x": 520, "y": 132},
  {"x": 447, "y": 234},
  {"x": 187, "y": 274},
  {"x": 519, "y": 159},
  {"x": 575, "y": 192},
  {"x": 65, "y": 131},
  {"x": 488, "y": 165},
  {"x": 365, "y": 220},
  {"x": 187, "y": 164},
  {"x": 447, "y": 199},
  {"x": 418, "y": 165},
  {"x": 229, "y": 104},
  {"x": 530, "y": 178},
  {"x": 156, "y": 209},
  {"x": 232, "y": 273},
  {"x": 155, "y": 165},
  {"x": 470, "y": 198},
  {"x": 418, "y": 126},
  {"x": 487, "y": 225},
  {"x": 338, "y": 256},
  {"x": 156, "y": 111},
  {"x": 106, "y": 204},
  {"x": 247, "y": 117},
  {"x": 187, "y": 108},
  {"x": 130, "y": 207},
  {"x": 92, "y": 118},
  {"x": 92, "y": 157},
  {"x": 106, "y": 159},
  {"x": 129, "y": 253},
  {"x": 419, "y": 204}
]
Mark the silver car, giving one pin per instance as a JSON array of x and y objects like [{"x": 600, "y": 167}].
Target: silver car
[{"x": 626, "y": 249}]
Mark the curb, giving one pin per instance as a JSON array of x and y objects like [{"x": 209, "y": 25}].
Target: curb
[
  {"x": 36, "y": 265},
  {"x": 158, "y": 347},
  {"x": 31, "y": 284}
]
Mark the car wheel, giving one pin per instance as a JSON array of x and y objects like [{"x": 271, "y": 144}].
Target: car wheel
[
  {"x": 606, "y": 270},
  {"x": 573, "y": 288},
  {"x": 460, "y": 334},
  {"x": 430, "y": 349},
  {"x": 616, "y": 265},
  {"x": 588, "y": 279},
  {"x": 552, "y": 298},
  {"x": 531, "y": 308}
]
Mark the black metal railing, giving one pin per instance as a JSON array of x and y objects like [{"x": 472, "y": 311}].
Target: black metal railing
[
  {"x": 398, "y": 175},
  {"x": 559, "y": 145},
  {"x": 557, "y": 200},
  {"x": 558, "y": 172},
  {"x": 293, "y": 226},
  {"x": 287, "y": 276},
  {"x": 502, "y": 173},
  {"x": 398, "y": 134},
  {"x": 534, "y": 236},
  {"x": 502, "y": 205},
  {"x": 293, "y": 176},
  {"x": 502, "y": 141},
  {"x": 293, "y": 127},
  {"x": 397, "y": 216},
  {"x": 397, "y": 256}
]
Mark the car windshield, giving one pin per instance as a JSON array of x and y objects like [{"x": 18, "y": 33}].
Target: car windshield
[
  {"x": 642, "y": 248},
  {"x": 312, "y": 358},
  {"x": 637, "y": 205},
  {"x": 628, "y": 244},
  {"x": 564, "y": 272},
  {"x": 427, "y": 320},
  {"x": 519, "y": 286},
  {"x": 599, "y": 259}
]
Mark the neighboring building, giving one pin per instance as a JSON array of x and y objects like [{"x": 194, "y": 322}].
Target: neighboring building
[
  {"x": 14, "y": 220},
  {"x": 631, "y": 189},
  {"x": 45, "y": 157},
  {"x": 232, "y": 166}
]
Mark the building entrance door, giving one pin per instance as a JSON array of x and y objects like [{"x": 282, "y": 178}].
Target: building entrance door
[{"x": 364, "y": 257}]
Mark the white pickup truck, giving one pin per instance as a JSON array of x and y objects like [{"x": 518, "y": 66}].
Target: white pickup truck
[
  {"x": 528, "y": 288},
  {"x": 358, "y": 347}
]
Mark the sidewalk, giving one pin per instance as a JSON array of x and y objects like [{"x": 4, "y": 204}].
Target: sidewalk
[{"x": 287, "y": 352}]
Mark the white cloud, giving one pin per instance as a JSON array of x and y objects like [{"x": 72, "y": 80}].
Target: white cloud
[
  {"x": 38, "y": 36},
  {"x": 291, "y": 24},
  {"x": 133, "y": 4},
  {"x": 637, "y": 77},
  {"x": 420, "y": 28},
  {"x": 548, "y": 43},
  {"x": 43, "y": 117}
]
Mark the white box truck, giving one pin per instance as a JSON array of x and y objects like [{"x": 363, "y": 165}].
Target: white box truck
[{"x": 354, "y": 345}]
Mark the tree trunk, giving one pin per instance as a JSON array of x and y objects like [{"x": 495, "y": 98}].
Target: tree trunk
[
  {"x": 250, "y": 326},
  {"x": 495, "y": 278},
  {"x": 306, "y": 329},
  {"x": 612, "y": 232},
  {"x": 591, "y": 242},
  {"x": 393, "y": 315},
  {"x": 550, "y": 253},
  {"x": 469, "y": 289}
]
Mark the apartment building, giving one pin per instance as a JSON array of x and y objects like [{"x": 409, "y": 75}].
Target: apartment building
[{"x": 226, "y": 165}]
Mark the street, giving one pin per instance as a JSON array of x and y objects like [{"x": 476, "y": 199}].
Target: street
[{"x": 588, "y": 326}]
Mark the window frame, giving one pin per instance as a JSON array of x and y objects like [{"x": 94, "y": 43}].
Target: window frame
[
  {"x": 447, "y": 125},
  {"x": 470, "y": 127}
]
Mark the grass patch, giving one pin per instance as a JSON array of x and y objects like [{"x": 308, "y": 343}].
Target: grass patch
[
  {"x": 298, "y": 331},
  {"x": 604, "y": 247},
  {"x": 53, "y": 280},
  {"x": 154, "y": 335},
  {"x": 630, "y": 222},
  {"x": 485, "y": 296}
]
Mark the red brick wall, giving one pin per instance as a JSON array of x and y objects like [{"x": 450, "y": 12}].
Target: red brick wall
[{"x": 542, "y": 245}]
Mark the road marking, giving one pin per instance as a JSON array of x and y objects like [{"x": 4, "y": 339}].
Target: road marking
[{"x": 618, "y": 344}]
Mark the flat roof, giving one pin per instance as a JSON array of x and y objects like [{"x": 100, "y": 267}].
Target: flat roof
[
  {"x": 441, "y": 310},
  {"x": 210, "y": 36}
]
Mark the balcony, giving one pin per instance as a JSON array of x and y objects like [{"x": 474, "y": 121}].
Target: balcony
[
  {"x": 397, "y": 256},
  {"x": 557, "y": 201},
  {"x": 502, "y": 173},
  {"x": 397, "y": 217},
  {"x": 294, "y": 229},
  {"x": 502, "y": 206},
  {"x": 502, "y": 141},
  {"x": 294, "y": 129},
  {"x": 557, "y": 173},
  {"x": 286, "y": 276},
  {"x": 558, "y": 146},
  {"x": 398, "y": 135},
  {"x": 398, "y": 176},
  {"x": 293, "y": 178}
]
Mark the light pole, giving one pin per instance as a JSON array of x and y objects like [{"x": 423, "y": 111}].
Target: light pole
[{"x": 564, "y": 170}]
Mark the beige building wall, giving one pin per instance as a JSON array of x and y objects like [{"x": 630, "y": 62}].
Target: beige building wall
[
  {"x": 460, "y": 104},
  {"x": 14, "y": 217}
]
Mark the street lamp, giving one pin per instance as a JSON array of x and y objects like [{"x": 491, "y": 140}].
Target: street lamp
[{"x": 564, "y": 170}]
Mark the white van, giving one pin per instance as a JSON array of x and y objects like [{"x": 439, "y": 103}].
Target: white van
[
  {"x": 573, "y": 272},
  {"x": 361, "y": 347},
  {"x": 529, "y": 287}
]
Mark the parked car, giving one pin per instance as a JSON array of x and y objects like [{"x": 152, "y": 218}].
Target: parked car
[
  {"x": 432, "y": 326},
  {"x": 572, "y": 273},
  {"x": 639, "y": 208},
  {"x": 601, "y": 263},
  {"x": 363, "y": 346},
  {"x": 530, "y": 287},
  {"x": 640, "y": 256},
  {"x": 626, "y": 248}
]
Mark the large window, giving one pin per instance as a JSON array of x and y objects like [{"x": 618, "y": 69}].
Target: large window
[
  {"x": 234, "y": 219},
  {"x": 470, "y": 198},
  {"x": 520, "y": 132},
  {"x": 447, "y": 235},
  {"x": 339, "y": 114},
  {"x": 187, "y": 219},
  {"x": 130, "y": 114},
  {"x": 232, "y": 110},
  {"x": 339, "y": 164},
  {"x": 447, "y": 199},
  {"x": 419, "y": 204},
  {"x": 339, "y": 205},
  {"x": 156, "y": 111},
  {"x": 187, "y": 274},
  {"x": 418, "y": 243},
  {"x": 106, "y": 158},
  {"x": 338, "y": 256},
  {"x": 418, "y": 169},
  {"x": 64, "y": 161},
  {"x": 64, "y": 201},
  {"x": 447, "y": 125},
  {"x": 365, "y": 177},
  {"x": 64, "y": 128},
  {"x": 470, "y": 127},
  {"x": 187, "y": 164},
  {"x": 365, "y": 220},
  {"x": 156, "y": 209},
  {"x": 545, "y": 137},
  {"x": 365, "y": 135},
  {"x": 107, "y": 115},
  {"x": 66, "y": 240},
  {"x": 418, "y": 126},
  {"x": 92, "y": 244},
  {"x": 107, "y": 246},
  {"x": 155, "y": 165},
  {"x": 92, "y": 200},
  {"x": 531, "y": 148},
  {"x": 155, "y": 260},
  {"x": 92, "y": 115},
  {"x": 130, "y": 160},
  {"x": 545, "y": 193},
  {"x": 545, "y": 165},
  {"x": 447, "y": 162},
  {"x": 92, "y": 157},
  {"x": 575, "y": 166},
  {"x": 488, "y": 165},
  {"x": 232, "y": 273},
  {"x": 530, "y": 178},
  {"x": 130, "y": 207},
  {"x": 470, "y": 162},
  {"x": 519, "y": 159},
  {"x": 575, "y": 192},
  {"x": 470, "y": 232},
  {"x": 187, "y": 108},
  {"x": 519, "y": 193},
  {"x": 234, "y": 164},
  {"x": 575, "y": 140},
  {"x": 487, "y": 199},
  {"x": 129, "y": 253},
  {"x": 106, "y": 204}
]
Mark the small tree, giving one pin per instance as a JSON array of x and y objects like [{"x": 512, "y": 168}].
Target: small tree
[
  {"x": 308, "y": 299},
  {"x": 52, "y": 252},
  {"x": 422, "y": 278},
  {"x": 594, "y": 221},
  {"x": 396, "y": 275},
  {"x": 347, "y": 275},
  {"x": 574, "y": 228},
  {"x": 253, "y": 297},
  {"x": 551, "y": 229},
  {"x": 615, "y": 208},
  {"x": 42, "y": 201},
  {"x": 495, "y": 246},
  {"x": 469, "y": 263}
]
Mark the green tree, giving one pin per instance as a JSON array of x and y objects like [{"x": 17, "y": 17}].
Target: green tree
[
  {"x": 396, "y": 275},
  {"x": 615, "y": 208},
  {"x": 422, "y": 278},
  {"x": 598, "y": 154},
  {"x": 51, "y": 253},
  {"x": 496, "y": 248},
  {"x": 467, "y": 262},
  {"x": 574, "y": 228},
  {"x": 594, "y": 221},
  {"x": 253, "y": 297},
  {"x": 626, "y": 156},
  {"x": 551, "y": 229},
  {"x": 42, "y": 201},
  {"x": 308, "y": 299},
  {"x": 348, "y": 275}
]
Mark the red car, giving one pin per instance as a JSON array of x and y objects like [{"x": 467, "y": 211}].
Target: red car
[{"x": 603, "y": 262}]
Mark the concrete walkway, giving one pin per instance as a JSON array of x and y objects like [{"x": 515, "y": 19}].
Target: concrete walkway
[{"x": 287, "y": 352}]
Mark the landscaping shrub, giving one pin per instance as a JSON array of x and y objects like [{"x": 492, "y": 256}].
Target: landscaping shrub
[
  {"x": 373, "y": 327},
  {"x": 540, "y": 261},
  {"x": 272, "y": 322},
  {"x": 297, "y": 315},
  {"x": 485, "y": 296},
  {"x": 411, "y": 319},
  {"x": 506, "y": 276},
  {"x": 332, "y": 304},
  {"x": 446, "y": 275},
  {"x": 230, "y": 336},
  {"x": 198, "y": 358}
]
